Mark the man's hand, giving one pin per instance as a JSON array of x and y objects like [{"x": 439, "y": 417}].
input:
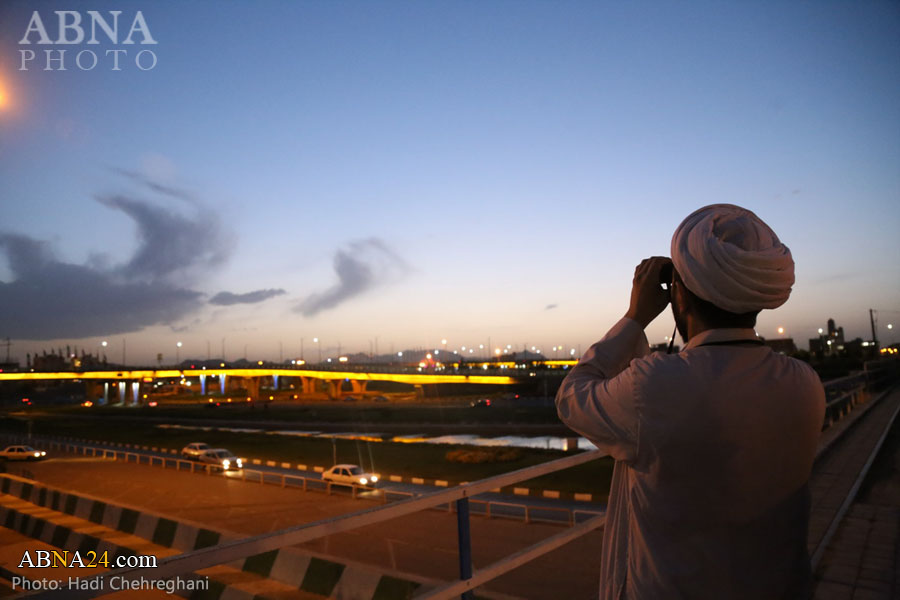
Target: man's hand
[{"x": 648, "y": 298}]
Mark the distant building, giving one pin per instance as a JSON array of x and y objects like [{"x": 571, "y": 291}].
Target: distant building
[
  {"x": 829, "y": 342},
  {"x": 57, "y": 361},
  {"x": 50, "y": 362}
]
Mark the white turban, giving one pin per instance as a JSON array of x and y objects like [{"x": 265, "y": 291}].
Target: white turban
[{"x": 727, "y": 255}]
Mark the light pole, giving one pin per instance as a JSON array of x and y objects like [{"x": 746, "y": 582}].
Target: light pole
[
  {"x": 319, "y": 346},
  {"x": 177, "y": 353},
  {"x": 103, "y": 344}
]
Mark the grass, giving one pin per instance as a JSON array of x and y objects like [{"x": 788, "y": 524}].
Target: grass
[{"x": 388, "y": 458}]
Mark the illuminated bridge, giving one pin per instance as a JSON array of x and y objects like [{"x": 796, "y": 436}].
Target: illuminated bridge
[{"x": 131, "y": 386}]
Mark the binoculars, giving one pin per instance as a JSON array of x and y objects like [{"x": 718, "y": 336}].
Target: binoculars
[{"x": 666, "y": 274}]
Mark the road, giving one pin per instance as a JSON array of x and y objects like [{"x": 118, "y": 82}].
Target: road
[
  {"x": 502, "y": 505},
  {"x": 424, "y": 543}
]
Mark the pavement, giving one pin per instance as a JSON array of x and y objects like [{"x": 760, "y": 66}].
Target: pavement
[{"x": 862, "y": 561}]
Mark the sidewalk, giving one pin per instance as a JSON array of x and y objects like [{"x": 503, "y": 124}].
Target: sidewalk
[{"x": 862, "y": 561}]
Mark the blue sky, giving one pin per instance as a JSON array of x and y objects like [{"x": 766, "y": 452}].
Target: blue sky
[{"x": 466, "y": 165}]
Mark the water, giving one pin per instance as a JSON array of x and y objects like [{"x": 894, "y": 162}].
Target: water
[{"x": 546, "y": 442}]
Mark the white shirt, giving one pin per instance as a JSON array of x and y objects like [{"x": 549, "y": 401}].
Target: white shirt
[{"x": 714, "y": 446}]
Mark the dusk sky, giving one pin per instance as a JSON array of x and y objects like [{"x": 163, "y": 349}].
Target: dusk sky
[{"x": 419, "y": 171}]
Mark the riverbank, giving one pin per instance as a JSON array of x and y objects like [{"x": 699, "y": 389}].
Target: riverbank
[{"x": 429, "y": 461}]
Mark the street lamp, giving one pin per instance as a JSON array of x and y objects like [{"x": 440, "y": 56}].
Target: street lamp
[
  {"x": 319, "y": 346},
  {"x": 177, "y": 353}
]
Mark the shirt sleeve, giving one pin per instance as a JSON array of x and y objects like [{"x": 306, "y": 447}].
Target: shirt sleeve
[{"x": 596, "y": 399}]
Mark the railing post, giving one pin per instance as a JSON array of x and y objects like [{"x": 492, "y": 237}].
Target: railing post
[{"x": 465, "y": 543}]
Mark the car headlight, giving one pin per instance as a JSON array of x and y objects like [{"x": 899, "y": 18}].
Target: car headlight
[
  {"x": 240, "y": 463},
  {"x": 363, "y": 480},
  {"x": 226, "y": 463},
  {"x": 37, "y": 454},
  {"x": 43, "y": 453},
  {"x": 374, "y": 478}
]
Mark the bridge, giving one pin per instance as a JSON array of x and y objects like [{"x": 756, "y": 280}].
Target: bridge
[{"x": 308, "y": 380}]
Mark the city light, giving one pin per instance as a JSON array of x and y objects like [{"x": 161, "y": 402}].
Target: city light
[
  {"x": 890, "y": 325},
  {"x": 781, "y": 330}
]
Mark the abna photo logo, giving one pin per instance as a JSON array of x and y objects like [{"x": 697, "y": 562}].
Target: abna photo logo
[{"x": 92, "y": 29}]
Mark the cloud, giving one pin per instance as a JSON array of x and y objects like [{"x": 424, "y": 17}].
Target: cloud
[
  {"x": 156, "y": 186},
  {"x": 228, "y": 298},
  {"x": 49, "y": 298},
  {"x": 550, "y": 307},
  {"x": 169, "y": 243},
  {"x": 360, "y": 267}
]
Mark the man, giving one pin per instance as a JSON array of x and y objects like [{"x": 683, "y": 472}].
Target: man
[{"x": 713, "y": 445}]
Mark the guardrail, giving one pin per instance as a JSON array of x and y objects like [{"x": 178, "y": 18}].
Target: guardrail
[
  {"x": 843, "y": 394},
  {"x": 520, "y": 510}
]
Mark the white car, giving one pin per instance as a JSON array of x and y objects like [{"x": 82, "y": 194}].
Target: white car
[
  {"x": 222, "y": 458},
  {"x": 349, "y": 475},
  {"x": 22, "y": 453},
  {"x": 194, "y": 450}
]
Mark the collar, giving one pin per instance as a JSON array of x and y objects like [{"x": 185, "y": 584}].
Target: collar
[{"x": 722, "y": 335}]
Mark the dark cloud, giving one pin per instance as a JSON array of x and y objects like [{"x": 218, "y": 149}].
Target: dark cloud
[
  {"x": 169, "y": 243},
  {"x": 49, "y": 298},
  {"x": 550, "y": 307},
  {"x": 360, "y": 267},
  {"x": 228, "y": 298}
]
